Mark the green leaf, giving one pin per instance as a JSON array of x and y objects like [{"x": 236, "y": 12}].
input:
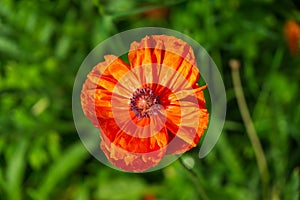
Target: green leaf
[
  {"x": 292, "y": 191},
  {"x": 69, "y": 160},
  {"x": 15, "y": 171},
  {"x": 9, "y": 47}
]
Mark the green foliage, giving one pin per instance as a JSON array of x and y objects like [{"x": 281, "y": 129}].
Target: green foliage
[{"x": 42, "y": 45}]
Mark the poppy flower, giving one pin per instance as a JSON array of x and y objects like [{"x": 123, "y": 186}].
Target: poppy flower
[
  {"x": 148, "y": 108},
  {"x": 292, "y": 35}
]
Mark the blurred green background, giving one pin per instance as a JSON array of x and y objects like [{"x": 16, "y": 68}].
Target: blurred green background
[{"x": 42, "y": 45}]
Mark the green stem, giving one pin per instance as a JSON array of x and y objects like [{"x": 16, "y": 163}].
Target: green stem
[
  {"x": 255, "y": 142},
  {"x": 195, "y": 179}
]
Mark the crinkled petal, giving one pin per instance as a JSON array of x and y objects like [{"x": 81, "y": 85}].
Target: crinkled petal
[
  {"x": 97, "y": 90},
  {"x": 130, "y": 143},
  {"x": 106, "y": 74},
  {"x": 131, "y": 162},
  {"x": 184, "y": 134},
  {"x": 168, "y": 51},
  {"x": 130, "y": 153}
]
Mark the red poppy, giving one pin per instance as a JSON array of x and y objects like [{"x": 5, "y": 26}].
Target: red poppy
[
  {"x": 292, "y": 35},
  {"x": 148, "y": 108}
]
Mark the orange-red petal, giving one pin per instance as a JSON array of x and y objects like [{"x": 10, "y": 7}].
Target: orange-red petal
[
  {"x": 132, "y": 162},
  {"x": 131, "y": 153},
  {"x": 106, "y": 74},
  {"x": 112, "y": 131},
  {"x": 168, "y": 51},
  {"x": 97, "y": 90},
  {"x": 184, "y": 134}
]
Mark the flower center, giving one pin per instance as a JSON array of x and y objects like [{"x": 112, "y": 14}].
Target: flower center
[{"x": 143, "y": 103}]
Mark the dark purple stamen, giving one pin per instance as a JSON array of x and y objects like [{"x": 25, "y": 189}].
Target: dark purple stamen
[{"x": 143, "y": 103}]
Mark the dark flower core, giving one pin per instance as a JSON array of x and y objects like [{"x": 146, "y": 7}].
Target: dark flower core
[{"x": 143, "y": 103}]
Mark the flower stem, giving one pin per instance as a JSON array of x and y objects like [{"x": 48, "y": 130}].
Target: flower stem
[
  {"x": 195, "y": 179},
  {"x": 255, "y": 142}
]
